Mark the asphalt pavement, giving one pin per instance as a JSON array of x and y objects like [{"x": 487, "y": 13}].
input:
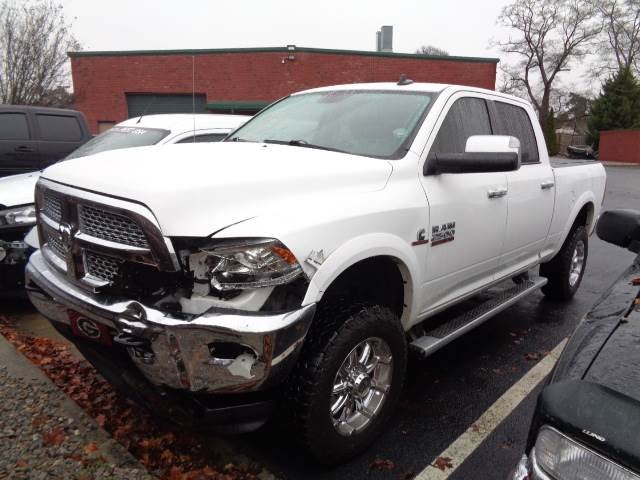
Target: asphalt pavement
[{"x": 447, "y": 393}]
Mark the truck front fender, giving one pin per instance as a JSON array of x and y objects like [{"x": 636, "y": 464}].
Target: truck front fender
[{"x": 362, "y": 248}]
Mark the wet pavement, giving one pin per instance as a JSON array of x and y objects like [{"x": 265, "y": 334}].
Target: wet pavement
[{"x": 446, "y": 393}]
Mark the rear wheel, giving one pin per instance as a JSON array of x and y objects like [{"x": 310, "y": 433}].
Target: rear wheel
[
  {"x": 566, "y": 269},
  {"x": 346, "y": 387}
]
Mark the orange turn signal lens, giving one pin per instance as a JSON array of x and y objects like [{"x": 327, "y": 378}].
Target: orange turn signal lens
[{"x": 285, "y": 254}]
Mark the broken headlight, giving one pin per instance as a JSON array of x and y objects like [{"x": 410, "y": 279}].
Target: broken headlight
[
  {"x": 243, "y": 264},
  {"x": 18, "y": 216}
]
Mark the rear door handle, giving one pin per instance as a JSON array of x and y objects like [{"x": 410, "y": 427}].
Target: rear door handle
[
  {"x": 497, "y": 193},
  {"x": 23, "y": 149},
  {"x": 547, "y": 185}
]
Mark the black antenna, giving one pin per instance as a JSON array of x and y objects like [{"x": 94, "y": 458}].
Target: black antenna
[
  {"x": 193, "y": 94},
  {"x": 144, "y": 112},
  {"x": 404, "y": 80}
]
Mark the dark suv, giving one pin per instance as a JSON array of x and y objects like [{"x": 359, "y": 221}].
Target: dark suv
[{"x": 32, "y": 138}]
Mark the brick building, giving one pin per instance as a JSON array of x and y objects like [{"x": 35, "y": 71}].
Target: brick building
[
  {"x": 112, "y": 86},
  {"x": 620, "y": 146}
]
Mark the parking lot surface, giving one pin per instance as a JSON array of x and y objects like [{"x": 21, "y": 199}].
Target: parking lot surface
[{"x": 448, "y": 393}]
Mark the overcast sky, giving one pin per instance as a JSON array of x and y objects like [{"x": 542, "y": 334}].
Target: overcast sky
[{"x": 462, "y": 27}]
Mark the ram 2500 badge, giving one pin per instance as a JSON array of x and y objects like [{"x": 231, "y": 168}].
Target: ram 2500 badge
[{"x": 296, "y": 263}]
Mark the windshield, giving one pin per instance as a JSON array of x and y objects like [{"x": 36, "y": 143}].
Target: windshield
[
  {"x": 120, "y": 137},
  {"x": 371, "y": 123}
]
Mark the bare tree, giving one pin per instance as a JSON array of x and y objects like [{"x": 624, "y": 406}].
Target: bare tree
[
  {"x": 34, "y": 40},
  {"x": 620, "y": 45},
  {"x": 432, "y": 50},
  {"x": 549, "y": 34}
]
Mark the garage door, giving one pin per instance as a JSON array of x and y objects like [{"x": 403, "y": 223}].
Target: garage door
[{"x": 150, "y": 103}]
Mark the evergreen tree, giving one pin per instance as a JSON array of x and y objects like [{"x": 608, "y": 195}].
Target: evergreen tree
[
  {"x": 550, "y": 136},
  {"x": 617, "y": 107}
]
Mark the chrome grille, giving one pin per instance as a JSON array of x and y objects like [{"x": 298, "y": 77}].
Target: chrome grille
[
  {"x": 89, "y": 237},
  {"x": 110, "y": 226},
  {"x": 101, "y": 267},
  {"x": 55, "y": 244},
  {"x": 52, "y": 206}
]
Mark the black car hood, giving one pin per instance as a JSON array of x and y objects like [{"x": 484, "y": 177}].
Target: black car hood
[
  {"x": 617, "y": 365},
  {"x": 605, "y": 348},
  {"x": 596, "y": 416}
]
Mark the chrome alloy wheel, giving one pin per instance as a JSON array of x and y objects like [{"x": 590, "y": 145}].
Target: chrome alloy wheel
[
  {"x": 361, "y": 386},
  {"x": 577, "y": 263}
]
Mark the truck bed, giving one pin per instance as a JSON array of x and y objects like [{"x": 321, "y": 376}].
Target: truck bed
[
  {"x": 574, "y": 186},
  {"x": 562, "y": 162}
]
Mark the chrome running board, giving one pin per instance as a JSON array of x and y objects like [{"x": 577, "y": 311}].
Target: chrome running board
[{"x": 436, "y": 338}]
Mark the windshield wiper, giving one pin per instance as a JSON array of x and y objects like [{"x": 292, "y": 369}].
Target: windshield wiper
[{"x": 302, "y": 143}]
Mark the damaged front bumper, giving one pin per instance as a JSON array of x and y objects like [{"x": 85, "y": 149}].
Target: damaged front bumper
[{"x": 217, "y": 352}]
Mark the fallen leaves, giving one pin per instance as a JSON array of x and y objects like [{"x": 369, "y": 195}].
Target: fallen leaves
[
  {"x": 89, "y": 448},
  {"x": 39, "y": 420},
  {"x": 157, "y": 445},
  {"x": 382, "y": 464},
  {"x": 532, "y": 356},
  {"x": 53, "y": 437},
  {"x": 101, "y": 419},
  {"x": 443, "y": 463}
]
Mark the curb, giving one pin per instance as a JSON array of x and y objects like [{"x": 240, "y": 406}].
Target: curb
[{"x": 19, "y": 366}]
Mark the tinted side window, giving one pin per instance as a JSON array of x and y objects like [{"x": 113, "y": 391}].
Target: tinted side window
[
  {"x": 59, "y": 128},
  {"x": 13, "y": 126},
  {"x": 467, "y": 117},
  {"x": 514, "y": 121},
  {"x": 205, "y": 138}
]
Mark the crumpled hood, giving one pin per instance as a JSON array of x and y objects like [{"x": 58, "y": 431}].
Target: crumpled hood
[
  {"x": 197, "y": 189},
  {"x": 18, "y": 189}
]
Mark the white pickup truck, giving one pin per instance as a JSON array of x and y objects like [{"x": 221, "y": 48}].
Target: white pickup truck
[{"x": 296, "y": 263}]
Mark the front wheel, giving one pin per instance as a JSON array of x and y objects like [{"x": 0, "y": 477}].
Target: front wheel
[
  {"x": 346, "y": 388},
  {"x": 566, "y": 269}
]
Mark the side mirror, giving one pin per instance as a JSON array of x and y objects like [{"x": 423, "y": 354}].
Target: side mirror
[
  {"x": 620, "y": 227},
  {"x": 483, "y": 153}
]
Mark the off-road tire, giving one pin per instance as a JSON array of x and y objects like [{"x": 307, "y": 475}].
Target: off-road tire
[
  {"x": 558, "y": 269},
  {"x": 308, "y": 396}
]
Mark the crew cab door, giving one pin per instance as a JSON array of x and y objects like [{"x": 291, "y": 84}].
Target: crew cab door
[
  {"x": 467, "y": 217},
  {"x": 531, "y": 194}
]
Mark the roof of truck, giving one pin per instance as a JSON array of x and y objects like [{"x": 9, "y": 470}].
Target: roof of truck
[{"x": 412, "y": 87}]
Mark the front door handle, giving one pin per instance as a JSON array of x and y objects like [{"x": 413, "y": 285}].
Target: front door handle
[
  {"x": 497, "y": 193},
  {"x": 23, "y": 149},
  {"x": 547, "y": 185}
]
